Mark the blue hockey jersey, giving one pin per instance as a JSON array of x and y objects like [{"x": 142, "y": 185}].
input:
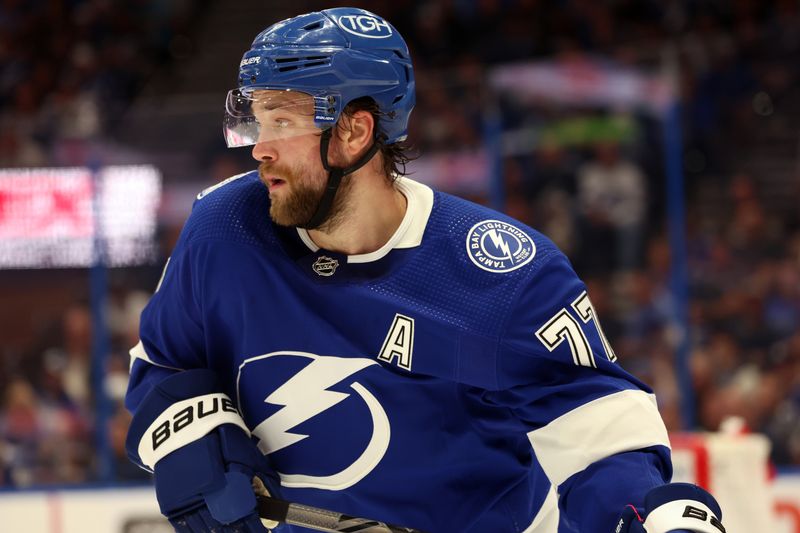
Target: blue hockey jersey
[{"x": 455, "y": 380}]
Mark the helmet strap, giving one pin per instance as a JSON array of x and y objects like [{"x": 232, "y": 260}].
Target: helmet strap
[{"x": 335, "y": 175}]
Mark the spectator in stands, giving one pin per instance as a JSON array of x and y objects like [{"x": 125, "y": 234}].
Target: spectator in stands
[
  {"x": 21, "y": 433},
  {"x": 612, "y": 201}
]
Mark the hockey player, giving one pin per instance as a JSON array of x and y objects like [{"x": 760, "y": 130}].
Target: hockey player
[{"x": 346, "y": 337}]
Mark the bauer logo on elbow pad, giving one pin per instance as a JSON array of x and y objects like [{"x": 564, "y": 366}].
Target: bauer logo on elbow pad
[{"x": 185, "y": 422}]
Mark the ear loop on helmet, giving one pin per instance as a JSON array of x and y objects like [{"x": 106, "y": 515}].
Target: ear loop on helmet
[{"x": 335, "y": 175}]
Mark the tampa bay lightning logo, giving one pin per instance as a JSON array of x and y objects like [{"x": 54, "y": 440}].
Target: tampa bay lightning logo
[
  {"x": 497, "y": 246},
  {"x": 307, "y": 410}
]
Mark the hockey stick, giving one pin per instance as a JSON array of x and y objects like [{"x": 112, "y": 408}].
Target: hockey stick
[{"x": 297, "y": 514}]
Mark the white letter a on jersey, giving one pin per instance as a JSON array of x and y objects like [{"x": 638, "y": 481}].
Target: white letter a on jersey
[{"x": 399, "y": 342}]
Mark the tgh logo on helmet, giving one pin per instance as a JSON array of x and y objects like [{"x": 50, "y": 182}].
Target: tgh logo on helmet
[{"x": 365, "y": 26}]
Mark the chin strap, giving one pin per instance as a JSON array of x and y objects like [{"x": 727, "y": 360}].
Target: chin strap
[{"x": 335, "y": 175}]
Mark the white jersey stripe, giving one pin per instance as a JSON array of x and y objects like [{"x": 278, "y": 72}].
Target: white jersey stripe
[
  {"x": 546, "y": 520},
  {"x": 620, "y": 422},
  {"x": 138, "y": 352}
]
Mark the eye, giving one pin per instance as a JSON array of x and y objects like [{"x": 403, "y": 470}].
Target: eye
[{"x": 281, "y": 123}]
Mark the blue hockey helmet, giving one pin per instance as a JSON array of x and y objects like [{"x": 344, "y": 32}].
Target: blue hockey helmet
[{"x": 336, "y": 55}]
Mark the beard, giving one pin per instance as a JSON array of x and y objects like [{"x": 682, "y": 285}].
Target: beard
[{"x": 302, "y": 193}]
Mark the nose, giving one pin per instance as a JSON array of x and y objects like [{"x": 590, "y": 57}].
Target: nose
[{"x": 264, "y": 151}]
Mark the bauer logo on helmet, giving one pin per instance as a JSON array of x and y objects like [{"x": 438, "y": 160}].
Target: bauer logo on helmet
[
  {"x": 366, "y": 26},
  {"x": 249, "y": 61}
]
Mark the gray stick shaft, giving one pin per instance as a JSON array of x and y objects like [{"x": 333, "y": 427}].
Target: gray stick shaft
[
  {"x": 313, "y": 518},
  {"x": 323, "y": 520},
  {"x": 297, "y": 514}
]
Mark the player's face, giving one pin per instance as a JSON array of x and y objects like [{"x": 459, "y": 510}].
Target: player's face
[{"x": 290, "y": 164}]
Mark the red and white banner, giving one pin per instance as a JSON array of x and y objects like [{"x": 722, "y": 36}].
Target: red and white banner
[
  {"x": 585, "y": 81},
  {"x": 36, "y": 203},
  {"x": 51, "y": 217}
]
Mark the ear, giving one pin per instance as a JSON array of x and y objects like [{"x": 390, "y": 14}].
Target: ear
[{"x": 356, "y": 132}]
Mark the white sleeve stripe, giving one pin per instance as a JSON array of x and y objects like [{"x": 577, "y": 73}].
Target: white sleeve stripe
[
  {"x": 691, "y": 515},
  {"x": 138, "y": 352},
  {"x": 620, "y": 422},
  {"x": 546, "y": 520}
]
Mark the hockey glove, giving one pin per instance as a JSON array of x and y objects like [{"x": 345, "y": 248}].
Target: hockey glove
[
  {"x": 673, "y": 508},
  {"x": 200, "y": 452}
]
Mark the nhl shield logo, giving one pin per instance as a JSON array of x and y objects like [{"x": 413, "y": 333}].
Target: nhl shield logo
[
  {"x": 325, "y": 266},
  {"x": 497, "y": 246}
]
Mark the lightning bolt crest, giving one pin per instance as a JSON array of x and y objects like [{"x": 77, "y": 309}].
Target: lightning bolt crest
[
  {"x": 498, "y": 241},
  {"x": 303, "y": 397}
]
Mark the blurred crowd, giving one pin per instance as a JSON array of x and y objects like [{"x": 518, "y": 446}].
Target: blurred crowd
[
  {"x": 591, "y": 179},
  {"x": 48, "y": 422},
  {"x": 69, "y": 69}
]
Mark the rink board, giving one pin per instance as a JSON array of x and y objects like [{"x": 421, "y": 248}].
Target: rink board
[{"x": 134, "y": 510}]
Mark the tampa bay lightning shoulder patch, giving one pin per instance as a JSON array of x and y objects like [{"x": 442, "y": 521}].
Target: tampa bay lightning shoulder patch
[{"x": 499, "y": 247}]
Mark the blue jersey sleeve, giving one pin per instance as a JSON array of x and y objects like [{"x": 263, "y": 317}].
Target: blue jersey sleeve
[
  {"x": 171, "y": 329},
  {"x": 594, "y": 428}
]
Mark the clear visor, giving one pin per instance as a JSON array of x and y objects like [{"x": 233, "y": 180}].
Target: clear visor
[{"x": 268, "y": 114}]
